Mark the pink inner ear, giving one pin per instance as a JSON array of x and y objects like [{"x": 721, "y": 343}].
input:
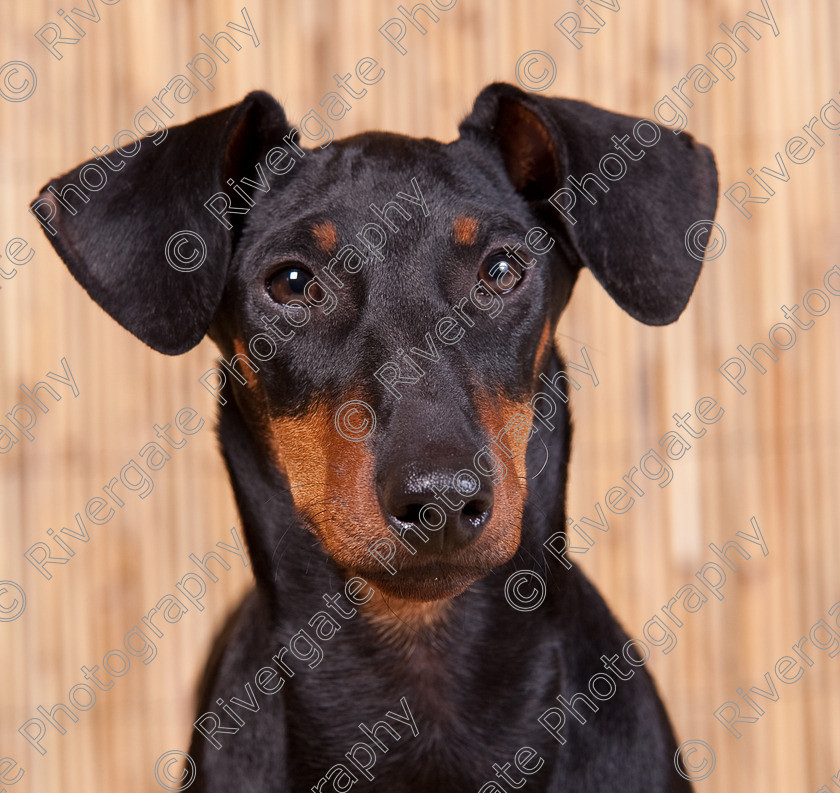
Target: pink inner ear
[{"x": 528, "y": 150}]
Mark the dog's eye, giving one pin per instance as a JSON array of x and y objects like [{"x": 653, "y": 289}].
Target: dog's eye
[
  {"x": 290, "y": 282},
  {"x": 500, "y": 273}
]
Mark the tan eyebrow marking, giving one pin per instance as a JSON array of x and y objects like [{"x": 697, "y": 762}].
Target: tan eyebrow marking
[
  {"x": 465, "y": 230},
  {"x": 326, "y": 236}
]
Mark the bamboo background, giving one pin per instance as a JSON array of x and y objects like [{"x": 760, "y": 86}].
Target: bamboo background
[{"x": 774, "y": 455}]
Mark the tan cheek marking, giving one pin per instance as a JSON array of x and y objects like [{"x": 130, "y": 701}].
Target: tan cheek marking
[
  {"x": 244, "y": 369},
  {"x": 326, "y": 236},
  {"x": 542, "y": 348},
  {"x": 465, "y": 230},
  {"x": 352, "y": 484},
  {"x": 332, "y": 483},
  {"x": 496, "y": 413},
  {"x": 298, "y": 445}
]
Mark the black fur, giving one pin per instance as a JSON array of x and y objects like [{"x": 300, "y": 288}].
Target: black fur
[{"x": 477, "y": 682}]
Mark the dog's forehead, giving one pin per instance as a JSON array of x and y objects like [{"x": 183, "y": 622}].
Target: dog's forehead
[
  {"x": 346, "y": 183},
  {"x": 412, "y": 199},
  {"x": 384, "y": 163}
]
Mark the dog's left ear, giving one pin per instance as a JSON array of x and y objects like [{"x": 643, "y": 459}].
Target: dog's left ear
[
  {"x": 115, "y": 228},
  {"x": 633, "y": 237}
]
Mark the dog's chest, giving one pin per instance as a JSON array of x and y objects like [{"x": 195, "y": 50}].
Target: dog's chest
[{"x": 409, "y": 720}]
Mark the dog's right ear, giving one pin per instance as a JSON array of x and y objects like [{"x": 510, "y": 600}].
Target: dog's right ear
[
  {"x": 112, "y": 227},
  {"x": 633, "y": 241}
]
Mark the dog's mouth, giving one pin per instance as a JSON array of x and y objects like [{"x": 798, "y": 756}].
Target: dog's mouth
[{"x": 427, "y": 582}]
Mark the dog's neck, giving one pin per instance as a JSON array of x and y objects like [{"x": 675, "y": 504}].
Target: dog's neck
[{"x": 288, "y": 560}]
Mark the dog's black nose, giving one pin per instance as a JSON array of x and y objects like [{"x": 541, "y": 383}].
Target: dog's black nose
[{"x": 449, "y": 505}]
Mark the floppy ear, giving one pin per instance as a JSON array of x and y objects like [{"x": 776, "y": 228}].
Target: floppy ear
[
  {"x": 114, "y": 227},
  {"x": 626, "y": 223}
]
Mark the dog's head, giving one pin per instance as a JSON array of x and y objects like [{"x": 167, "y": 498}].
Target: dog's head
[{"x": 385, "y": 303}]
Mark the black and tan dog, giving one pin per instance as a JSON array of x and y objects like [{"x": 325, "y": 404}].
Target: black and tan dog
[{"x": 418, "y": 675}]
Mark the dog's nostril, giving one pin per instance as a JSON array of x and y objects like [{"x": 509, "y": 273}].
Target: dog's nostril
[
  {"x": 410, "y": 513},
  {"x": 440, "y": 505},
  {"x": 476, "y": 509}
]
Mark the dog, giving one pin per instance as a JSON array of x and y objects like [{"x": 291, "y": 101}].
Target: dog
[{"x": 385, "y": 307}]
